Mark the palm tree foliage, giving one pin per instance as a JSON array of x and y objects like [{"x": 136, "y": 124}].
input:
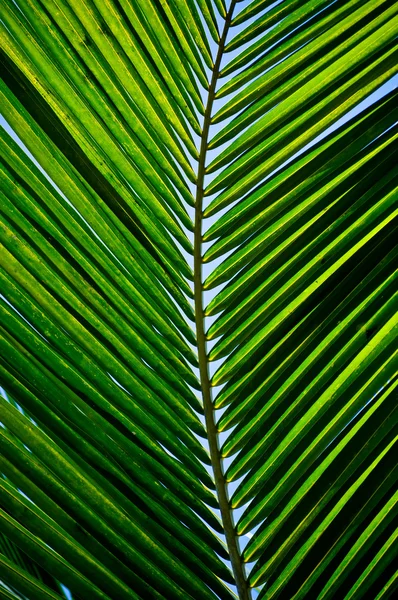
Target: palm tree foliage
[{"x": 108, "y": 484}]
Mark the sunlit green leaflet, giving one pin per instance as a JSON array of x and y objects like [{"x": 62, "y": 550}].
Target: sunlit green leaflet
[{"x": 188, "y": 147}]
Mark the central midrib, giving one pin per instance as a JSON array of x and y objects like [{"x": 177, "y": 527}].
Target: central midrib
[{"x": 212, "y": 434}]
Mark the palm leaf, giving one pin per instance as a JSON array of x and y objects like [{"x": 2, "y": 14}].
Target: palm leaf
[{"x": 151, "y": 152}]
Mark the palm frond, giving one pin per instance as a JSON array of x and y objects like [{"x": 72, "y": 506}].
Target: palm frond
[{"x": 145, "y": 141}]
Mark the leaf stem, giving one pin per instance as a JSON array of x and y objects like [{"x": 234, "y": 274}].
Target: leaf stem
[{"x": 212, "y": 433}]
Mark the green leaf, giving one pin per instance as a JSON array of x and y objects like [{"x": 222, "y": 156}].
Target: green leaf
[
  {"x": 303, "y": 24},
  {"x": 163, "y": 163},
  {"x": 310, "y": 59},
  {"x": 14, "y": 575}
]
